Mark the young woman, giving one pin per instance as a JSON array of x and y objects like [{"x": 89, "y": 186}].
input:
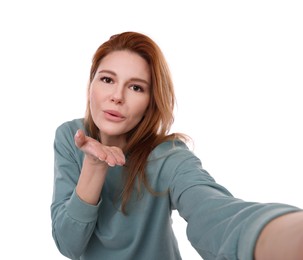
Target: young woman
[{"x": 119, "y": 174}]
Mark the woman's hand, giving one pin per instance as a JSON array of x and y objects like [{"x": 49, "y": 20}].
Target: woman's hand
[
  {"x": 97, "y": 152},
  {"x": 282, "y": 238},
  {"x": 95, "y": 165}
]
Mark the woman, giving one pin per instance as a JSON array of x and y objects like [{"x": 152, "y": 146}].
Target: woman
[{"x": 119, "y": 174}]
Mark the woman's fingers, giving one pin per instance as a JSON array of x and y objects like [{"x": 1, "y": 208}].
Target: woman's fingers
[
  {"x": 79, "y": 138},
  {"x": 110, "y": 154}
]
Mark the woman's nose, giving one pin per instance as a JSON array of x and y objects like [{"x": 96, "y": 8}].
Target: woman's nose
[{"x": 117, "y": 96}]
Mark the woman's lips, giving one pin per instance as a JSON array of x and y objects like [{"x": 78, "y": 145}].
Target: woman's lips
[{"x": 113, "y": 115}]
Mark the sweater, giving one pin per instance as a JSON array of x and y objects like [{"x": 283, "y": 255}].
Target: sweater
[{"x": 219, "y": 226}]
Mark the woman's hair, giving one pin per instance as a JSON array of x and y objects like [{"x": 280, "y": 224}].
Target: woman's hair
[{"x": 154, "y": 127}]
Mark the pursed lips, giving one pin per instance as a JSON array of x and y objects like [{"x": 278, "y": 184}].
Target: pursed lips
[{"x": 113, "y": 115}]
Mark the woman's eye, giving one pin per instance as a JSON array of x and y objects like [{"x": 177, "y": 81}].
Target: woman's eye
[
  {"x": 107, "y": 80},
  {"x": 137, "y": 88}
]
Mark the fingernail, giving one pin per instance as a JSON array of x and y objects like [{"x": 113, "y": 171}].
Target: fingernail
[{"x": 111, "y": 165}]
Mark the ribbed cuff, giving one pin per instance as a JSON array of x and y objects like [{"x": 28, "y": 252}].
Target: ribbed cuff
[
  {"x": 80, "y": 210},
  {"x": 252, "y": 231}
]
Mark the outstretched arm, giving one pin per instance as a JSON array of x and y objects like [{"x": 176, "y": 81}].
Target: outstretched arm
[{"x": 281, "y": 239}]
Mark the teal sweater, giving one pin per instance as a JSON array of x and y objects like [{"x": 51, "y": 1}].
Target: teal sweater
[{"x": 219, "y": 226}]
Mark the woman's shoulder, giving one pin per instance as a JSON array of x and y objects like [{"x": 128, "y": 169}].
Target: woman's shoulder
[
  {"x": 71, "y": 125},
  {"x": 68, "y": 129},
  {"x": 168, "y": 148}
]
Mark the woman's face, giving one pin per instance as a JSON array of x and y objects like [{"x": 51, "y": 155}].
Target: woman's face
[{"x": 119, "y": 95}]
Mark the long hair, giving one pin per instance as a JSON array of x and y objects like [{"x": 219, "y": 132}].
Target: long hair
[{"x": 154, "y": 127}]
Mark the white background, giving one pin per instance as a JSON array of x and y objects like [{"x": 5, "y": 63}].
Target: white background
[{"x": 237, "y": 68}]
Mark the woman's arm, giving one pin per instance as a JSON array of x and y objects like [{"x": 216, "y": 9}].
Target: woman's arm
[
  {"x": 74, "y": 209},
  {"x": 281, "y": 239},
  {"x": 218, "y": 225}
]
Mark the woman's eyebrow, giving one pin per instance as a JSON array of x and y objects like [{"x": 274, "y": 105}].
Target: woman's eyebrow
[
  {"x": 108, "y": 71},
  {"x": 140, "y": 80}
]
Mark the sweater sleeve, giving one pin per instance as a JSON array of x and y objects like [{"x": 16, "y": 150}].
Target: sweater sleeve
[
  {"x": 219, "y": 226},
  {"x": 73, "y": 220}
]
